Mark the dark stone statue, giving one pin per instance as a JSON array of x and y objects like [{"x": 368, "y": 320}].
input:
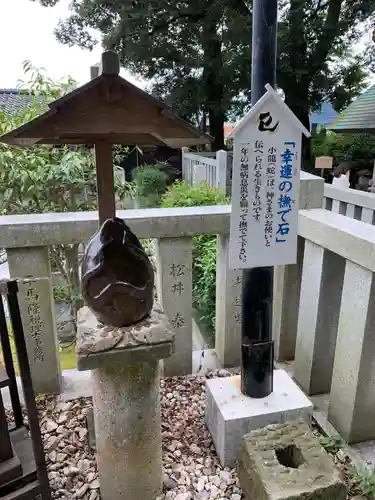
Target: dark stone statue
[{"x": 117, "y": 276}]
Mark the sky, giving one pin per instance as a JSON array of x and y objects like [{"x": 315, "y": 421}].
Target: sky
[{"x": 26, "y": 33}]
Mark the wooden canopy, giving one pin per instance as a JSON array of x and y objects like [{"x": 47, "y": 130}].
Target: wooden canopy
[{"x": 107, "y": 108}]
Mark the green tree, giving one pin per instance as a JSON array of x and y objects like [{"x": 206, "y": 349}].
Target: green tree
[
  {"x": 196, "y": 53},
  {"x": 45, "y": 178}
]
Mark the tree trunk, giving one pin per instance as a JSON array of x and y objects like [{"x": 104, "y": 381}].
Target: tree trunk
[
  {"x": 296, "y": 85},
  {"x": 298, "y": 102},
  {"x": 213, "y": 81}
]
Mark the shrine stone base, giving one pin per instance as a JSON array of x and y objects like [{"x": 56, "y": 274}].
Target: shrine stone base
[
  {"x": 126, "y": 402},
  {"x": 286, "y": 462},
  {"x": 230, "y": 415}
]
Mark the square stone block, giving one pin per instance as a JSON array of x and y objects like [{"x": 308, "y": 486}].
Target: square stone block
[
  {"x": 100, "y": 345},
  {"x": 286, "y": 462},
  {"x": 230, "y": 415}
]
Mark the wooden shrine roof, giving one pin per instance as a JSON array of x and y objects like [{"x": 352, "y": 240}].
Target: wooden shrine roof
[{"x": 107, "y": 108}]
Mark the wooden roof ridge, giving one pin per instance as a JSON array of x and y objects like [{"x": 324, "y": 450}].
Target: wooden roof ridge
[{"x": 112, "y": 79}]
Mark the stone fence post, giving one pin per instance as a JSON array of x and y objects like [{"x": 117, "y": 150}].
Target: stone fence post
[
  {"x": 228, "y": 307},
  {"x": 174, "y": 289},
  {"x": 221, "y": 169},
  {"x": 37, "y": 313},
  {"x": 319, "y": 310},
  {"x": 185, "y": 170},
  {"x": 287, "y": 279},
  {"x": 352, "y": 399}
]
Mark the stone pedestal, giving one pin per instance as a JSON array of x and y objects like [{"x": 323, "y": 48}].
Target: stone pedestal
[
  {"x": 230, "y": 415},
  {"x": 126, "y": 380},
  {"x": 286, "y": 462}
]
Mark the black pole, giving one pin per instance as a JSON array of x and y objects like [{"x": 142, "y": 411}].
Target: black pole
[{"x": 257, "y": 283}]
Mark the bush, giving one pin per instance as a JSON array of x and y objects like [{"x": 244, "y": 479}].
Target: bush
[
  {"x": 181, "y": 194},
  {"x": 204, "y": 246},
  {"x": 344, "y": 147},
  {"x": 150, "y": 184}
]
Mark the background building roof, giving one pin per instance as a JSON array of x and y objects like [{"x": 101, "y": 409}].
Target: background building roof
[
  {"x": 324, "y": 116},
  {"x": 12, "y": 100},
  {"x": 359, "y": 116}
]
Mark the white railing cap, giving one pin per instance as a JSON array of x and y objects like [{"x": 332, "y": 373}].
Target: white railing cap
[
  {"x": 78, "y": 227},
  {"x": 351, "y": 196},
  {"x": 352, "y": 239}
]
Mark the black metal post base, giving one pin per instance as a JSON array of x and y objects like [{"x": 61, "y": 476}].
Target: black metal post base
[{"x": 257, "y": 369}]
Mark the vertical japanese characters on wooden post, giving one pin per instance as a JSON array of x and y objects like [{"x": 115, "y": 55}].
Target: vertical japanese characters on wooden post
[{"x": 266, "y": 171}]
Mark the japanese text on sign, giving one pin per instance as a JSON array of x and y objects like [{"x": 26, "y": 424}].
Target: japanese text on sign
[
  {"x": 285, "y": 189},
  {"x": 244, "y": 203},
  {"x": 265, "y": 187}
]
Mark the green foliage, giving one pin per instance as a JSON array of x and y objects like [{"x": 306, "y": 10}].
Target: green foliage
[
  {"x": 204, "y": 249},
  {"x": 332, "y": 444},
  {"x": 197, "y": 52},
  {"x": 204, "y": 278},
  {"x": 46, "y": 178},
  {"x": 182, "y": 194},
  {"x": 344, "y": 147},
  {"x": 150, "y": 184},
  {"x": 364, "y": 480},
  {"x": 149, "y": 179}
]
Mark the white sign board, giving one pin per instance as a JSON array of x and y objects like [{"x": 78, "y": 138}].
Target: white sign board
[
  {"x": 322, "y": 162},
  {"x": 265, "y": 185}
]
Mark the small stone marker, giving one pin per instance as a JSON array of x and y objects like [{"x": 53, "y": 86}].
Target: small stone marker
[
  {"x": 126, "y": 401},
  {"x": 286, "y": 462}
]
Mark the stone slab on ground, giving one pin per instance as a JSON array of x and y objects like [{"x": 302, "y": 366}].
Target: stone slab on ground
[
  {"x": 286, "y": 462},
  {"x": 98, "y": 344},
  {"x": 230, "y": 415}
]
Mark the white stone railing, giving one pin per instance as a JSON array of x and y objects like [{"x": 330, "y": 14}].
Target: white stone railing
[
  {"x": 27, "y": 239},
  {"x": 324, "y": 306},
  {"x": 350, "y": 202},
  {"x": 328, "y": 321},
  {"x": 215, "y": 169}
]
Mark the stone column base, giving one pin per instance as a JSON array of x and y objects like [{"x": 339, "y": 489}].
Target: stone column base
[
  {"x": 230, "y": 414},
  {"x": 126, "y": 383}
]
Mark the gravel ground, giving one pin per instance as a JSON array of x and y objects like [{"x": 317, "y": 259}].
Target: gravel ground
[{"x": 191, "y": 467}]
